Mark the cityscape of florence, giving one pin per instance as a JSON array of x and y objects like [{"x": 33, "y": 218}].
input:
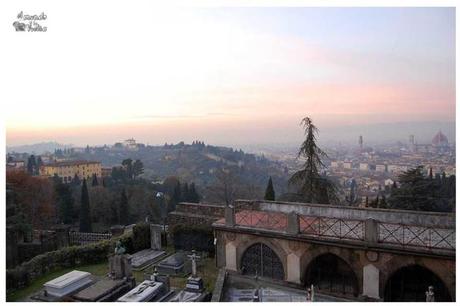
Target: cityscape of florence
[{"x": 230, "y": 154}]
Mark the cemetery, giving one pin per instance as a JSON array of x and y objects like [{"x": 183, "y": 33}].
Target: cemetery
[{"x": 125, "y": 274}]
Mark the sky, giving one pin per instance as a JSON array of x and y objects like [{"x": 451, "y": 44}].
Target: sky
[{"x": 101, "y": 74}]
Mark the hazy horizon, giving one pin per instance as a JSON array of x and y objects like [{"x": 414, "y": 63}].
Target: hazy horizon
[{"x": 231, "y": 75}]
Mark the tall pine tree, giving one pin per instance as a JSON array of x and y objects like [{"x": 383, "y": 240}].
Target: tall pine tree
[
  {"x": 85, "y": 216},
  {"x": 313, "y": 187},
  {"x": 269, "y": 191}
]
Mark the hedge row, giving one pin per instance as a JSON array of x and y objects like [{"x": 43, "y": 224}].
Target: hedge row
[
  {"x": 22, "y": 275},
  {"x": 196, "y": 237}
]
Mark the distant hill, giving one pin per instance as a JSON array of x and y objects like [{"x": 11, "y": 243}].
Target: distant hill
[
  {"x": 196, "y": 163},
  {"x": 38, "y": 148}
]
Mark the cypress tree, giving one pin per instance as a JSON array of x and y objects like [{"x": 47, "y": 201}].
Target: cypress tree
[
  {"x": 65, "y": 203},
  {"x": 194, "y": 197},
  {"x": 124, "y": 209},
  {"x": 39, "y": 164},
  {"x": 185, "y": 193},
  {"x": 269, "y": 191},
  {"x": 31, "y": 165},
  {"x": 95, "y": 182},
  {"x": 175, "y": 198},
  {"x": 85, "y": 217},
  {"x": 76, "y": 180}
]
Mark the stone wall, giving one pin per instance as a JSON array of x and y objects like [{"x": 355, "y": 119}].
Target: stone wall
[
  {"x": 195, "y": 214},
  {"x": 356, "y": 213},
  {"x": 372, "y": 268}
]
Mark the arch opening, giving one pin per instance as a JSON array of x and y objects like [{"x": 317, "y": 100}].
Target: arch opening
[
  {"x": 410, "y": 283},
  {"x": 332, "y": 275},
  {"x": 259, "y": 259}
]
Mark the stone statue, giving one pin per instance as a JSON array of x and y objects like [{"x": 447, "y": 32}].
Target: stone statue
[
  {"x": 430, "y": 294},
  {"x": 119, "y": 248}
]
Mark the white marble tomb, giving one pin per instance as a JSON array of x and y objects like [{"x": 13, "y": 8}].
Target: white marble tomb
[
  {"x": 144, "y": 292},
  {"x": 67, "y": 283}
]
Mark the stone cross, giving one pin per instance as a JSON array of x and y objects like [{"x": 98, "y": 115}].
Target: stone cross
[{"x": 193, "y": 258}]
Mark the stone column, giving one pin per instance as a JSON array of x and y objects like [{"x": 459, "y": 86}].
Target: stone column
[
  {"x": 293, "y": 268},
  {"x": 230, "y": 215},
  {"x": 371, "y": 234},
  {"x": 292, "y": 223},
  {"x": 230, "y": 256},
  {"x": 371, "y": 281}
]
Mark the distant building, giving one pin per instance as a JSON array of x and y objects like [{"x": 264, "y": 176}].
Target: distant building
[
  {"x": 347, "y": 165},
  {"x": 18, "y": 164},
  {"x": 440, "y": 140},
  {"x": 397, "y": 168},
  {"x": 131, "y": 144},
  {"x": 380, "y": 168},
  {"x": 335, "y": 164},
  {"x": 68, "y": 169},
  {"x": 105, "y": 172},
  {"x": 364, "y": 166}
]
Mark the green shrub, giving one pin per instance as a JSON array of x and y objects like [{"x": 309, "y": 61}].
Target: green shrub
[
  {"x": 199, "y": 238},
  {"x": 141, "y": 236},
  {"x": 71, "y": 256}
]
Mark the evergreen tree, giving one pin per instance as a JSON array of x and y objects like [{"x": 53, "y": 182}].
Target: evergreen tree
[
  {"x": 419, "y": 192},
  {"x": 95, "y": 182},
  {"x": 85, "y": 217},
  {"x": 185, "y": 193},
  {"x": 175, "y": 198},
  {"x": 138, "y": 168},
  {"x": 65, "y": 203},
  {"x": 39, "y": 165},
  {"x": 31, "y": 165},
  {"x": 194, "y": 197},
  {"x": 124, "y": 209},
  {"x": 314, "y": 188},
  {"x": 269, "y": 191},
  {"x": 76, "y": 180},
  {"x": 128, "y": 163}
]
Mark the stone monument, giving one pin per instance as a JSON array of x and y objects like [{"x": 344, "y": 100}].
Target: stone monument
[
  {"x": 67, "y": 284},
  {"x": 194, "y": 289},
  {"x": 194, "y": 282},
  {"x": 155, "y": 237},
  {"x": 147, "y": 257},
  {"x": 120, "y": 263}
]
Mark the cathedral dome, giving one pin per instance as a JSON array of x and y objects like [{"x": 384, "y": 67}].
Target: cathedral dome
[{"x": 439, "y": 139}]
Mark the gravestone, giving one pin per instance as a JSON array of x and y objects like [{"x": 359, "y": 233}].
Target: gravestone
[
  {"x": 147, "y": 291},
  {"x": 172, "y": 265},
  {"x": 104, "y": 290},
  {"x": 194, "y": 282},
  {"x": 155, "y": 236},
  {"x": 142, "y": 259},
  {"x": 67, "y": 284},
  {"x": 194, "y": 289}
]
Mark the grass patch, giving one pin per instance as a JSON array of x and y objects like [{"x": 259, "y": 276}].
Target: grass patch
[{"x": 21, "y": 294}]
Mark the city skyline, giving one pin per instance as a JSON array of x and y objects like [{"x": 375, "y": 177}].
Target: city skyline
[{"x": 243, "y": 74}]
